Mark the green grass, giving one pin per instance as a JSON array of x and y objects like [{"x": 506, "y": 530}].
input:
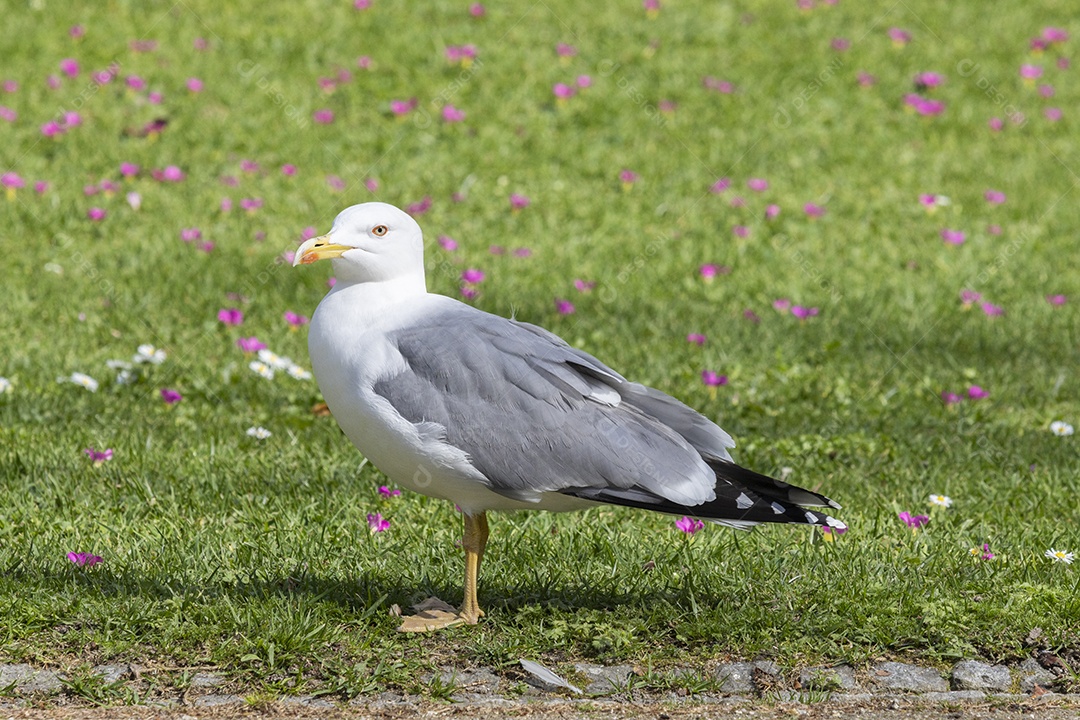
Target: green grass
[{"x": 255, "y": 557}]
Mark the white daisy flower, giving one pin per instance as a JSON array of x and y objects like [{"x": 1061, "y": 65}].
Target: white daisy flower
[
  {"x": 54, "y": 268},
  {"x": 1059, "y": 556},
  {"x": 274, "y": 360},
  {"x": 1061, "y": 428},
  {"x": 262, "y": 369},
  {"x": 118, "y": 364},
  {"x": 5, "y": 385},
  {"x": 941, "y": 500},
  {"x": 125, "y": 377},
  {"x": 82, "y": 379},
  {"x": 259, "y": 433},
  {"x": 147, "y": 353},
  {"x": 299, "y": 373},
  {"x": 942, "y": 201}
]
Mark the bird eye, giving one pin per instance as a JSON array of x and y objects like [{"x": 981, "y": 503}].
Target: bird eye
[{"x": 379, "y": 230}]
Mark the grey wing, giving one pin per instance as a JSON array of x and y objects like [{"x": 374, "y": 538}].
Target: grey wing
[{"x": 535, "y": 415}]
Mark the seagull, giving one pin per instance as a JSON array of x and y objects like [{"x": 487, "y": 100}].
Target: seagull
[{"x": 493, "y": 414}]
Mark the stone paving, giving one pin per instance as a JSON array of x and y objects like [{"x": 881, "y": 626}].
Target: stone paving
[{"x": 968, "y": 681}]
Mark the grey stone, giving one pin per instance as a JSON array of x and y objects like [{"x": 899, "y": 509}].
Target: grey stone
[
  {"x": 217, "y": 700},
  {"x": 901, "y": 676},
  {"x": 29, "y": 680},
  {"x": 604, "y": 680},
  {"x": 975, "y": 675},
  {"x": 847, "y": 698},
  {"x": 476, "y": 682},
  {"x": 841, "y": 677},
  {"x": 205, "y": 680},
  {"x": 954, "y": 696},
  {"x": 737, "y": 677},
  {"x": 307, "y": 701},
  {"x": 112, "y": 673},
  {"x": 1031, "y": 674}
]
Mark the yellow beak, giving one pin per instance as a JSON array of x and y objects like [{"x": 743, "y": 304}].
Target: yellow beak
[{"x": 318, "y": 248}]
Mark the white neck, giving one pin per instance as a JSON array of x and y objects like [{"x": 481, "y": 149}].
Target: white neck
[{"x": 373, "y": 298}]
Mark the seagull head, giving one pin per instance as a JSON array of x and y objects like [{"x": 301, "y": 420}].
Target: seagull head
[{"x": 370, "y": 242}]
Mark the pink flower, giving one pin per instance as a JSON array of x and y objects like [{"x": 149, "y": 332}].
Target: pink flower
[
  {"x": 402, "y": 107},
  {"x": 713, "y": 379},
  {"x": 9, "y": 86},
  {"x": 129, "y": 169},
  {"x": 803, "y": 312},
  {"x": 564, "y": 307},
  {"x": 583, "y": 81},
  {"x": 720, "y": 185},
  {"x": 155, "y": 98},
  {"x": 469, "y": 292},
  {"x": 12, "y": 180},
  {"x": 171, "y": 397},
  {"x": 135, "y": 82},
  {"x": 8, "y": 114},
  {"x": 992, "y": 310},
  {"x": 72, "y": 119},
  {"x": 452, "y": 115},
  {"x": 195, "y": 85},
  {"x": 419, "y": 208},
  {"x": 377, "y": 523},
  {"x": 52, "y": 129},
  {"x": 335, "y": 183},
  {"x": 372, "y": 185},
  {"x": 96, "y": 214},
  {"x": 387, "y": 492},
  {"x": 1046, "y": 91},
  {"x": 363, "y": 62},
  {"x": 994, "y": 197},
  {"x": 563, "y": 91},
  {"x": 1055, "y": 35},
  {"x": 77, "y": 31},
  {"x": 750, "y": 315},
  {"x": 720, "y": 86},
  {"x": 84, "y": 559},
  {"x": 709, "y": 271},
  {"x": 757, "y": 184},
  {"x": 840, "y": 44},
  {"x": 628, "y": 177},
  {"x": 953, "y": 237},
  {"x": 949, "y": 398},
  {"x": 564, "y": 50},
  {"x": 473, "y": 276},
  {"x": 288, "y": 170},
  {"x": 813, "y": 210},
  {"x": 741, "y": 231},
  {"x": 99, "y": 456},
  {"x": 696, "y": 338},
  {"x": 70, "y": 67},
  {"x": 171, "y": 173},
  {"x": 1031, "y": 72},
  {"x": 968, "y": 297},
  {"x": 250, "y": 344},
  {"x": 295, "y": 320},
  {"x": 993, "y": 229},
  {"x": 899, "y": 37},
  {"x": 518, "y": 202},
  {"x": 977, "y": 393},
  {"x": 476, "y": 10},
  {"x": 251, "y": 204},
  {"x": 249, "y": 166},
  {"x": 584, "y": 285},
  {"x": 323, "y": 116},
  {"x": 928, "y": 200},
  {"x": 200, "y": 43},
  {"x": 41, "y": 186},
  {"x": 986, "y": 554},
  {"x": 914, "y": 521},
  {"x": 781, "y": 304},
  {"x": 1056, "y": 299},
  {"x": 53, "y": 82},
  {"x": 865, "y": 79},
  {"x": 230, "y": 316},
  {"x": 772, "y": 211},
  {"x": 995, "y": 124},
  {"x": 929, "y": 80},
  {"x": 190, "y": 234},
  {"x": 689, "y": 525},
  {"x": 1052, "y": 114},
  {"x": 447, "y": 243}
]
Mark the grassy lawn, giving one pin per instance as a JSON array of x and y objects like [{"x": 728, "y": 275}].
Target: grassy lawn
[{"x": 255, "y": 555}]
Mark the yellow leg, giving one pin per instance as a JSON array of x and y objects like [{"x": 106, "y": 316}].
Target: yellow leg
[
  {"x": 476, "y": 535},
  {"x": 434, "y": 614}
]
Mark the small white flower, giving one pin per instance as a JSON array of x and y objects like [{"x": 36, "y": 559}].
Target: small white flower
[
  {"x": 941, "y": 500},
  {"x": 942, "y": 200},
  {"x": 1061, "y": 428},
  {"x": 118, "y": 364},
  {"x": 262, "y": 369},
  {"x": 54, "y": 268},
  {"x": 1059, "y": 556},
  {"x": 5, "y": 385},
  {"x": 83, "y": 379},
  {"x": 149, "y": 354},
  {"x": 259, "y": 433},
  {"x": 125, "y": 377},
  {"x": 299, "y": 373},
  {"x": 274, "y": 360}
]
